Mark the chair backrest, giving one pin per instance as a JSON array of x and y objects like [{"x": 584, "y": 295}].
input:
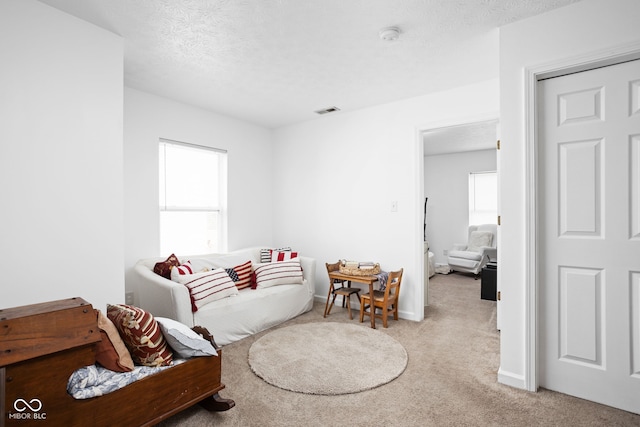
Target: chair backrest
[
  {"x": 491, "y": 228},
  {"x": 332, "y": 267},
  {"x": 393, "y": 284}
]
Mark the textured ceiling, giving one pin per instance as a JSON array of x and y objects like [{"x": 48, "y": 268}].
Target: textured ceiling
[
  {"x": 275, "y": 62},
  {"x": 462, "y": 138}
]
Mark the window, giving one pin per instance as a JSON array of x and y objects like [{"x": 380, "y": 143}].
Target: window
[
  {"x": 192, "y": 198},
  {"x": 483, "y": 198}
]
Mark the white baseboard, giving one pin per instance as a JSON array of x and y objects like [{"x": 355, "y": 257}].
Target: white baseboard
[{"x": 511, "y": 379}]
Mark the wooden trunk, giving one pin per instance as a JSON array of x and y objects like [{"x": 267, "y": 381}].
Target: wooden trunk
[{"x": 41, "y": 345}]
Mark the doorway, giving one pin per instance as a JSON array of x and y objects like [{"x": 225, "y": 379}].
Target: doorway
[{"x": 454, "y": 145}]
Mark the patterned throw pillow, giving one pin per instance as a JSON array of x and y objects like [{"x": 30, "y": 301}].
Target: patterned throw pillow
[
  {"x": 265, "y": 254},
  {"x": 208, "y": 286},
  {"x": 241, "y": 275},
  {"x": 278, "y": 273},
  {"x": 185, "y": 268},
  {"x": 181, "y": 270},
  {"x": 141, "y": 334},
  {"x": 277, "y": 256},
  {"x": 164, "y": 268}
]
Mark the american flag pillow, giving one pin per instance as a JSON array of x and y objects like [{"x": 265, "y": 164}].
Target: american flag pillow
[{"x": 241, "y": 275}]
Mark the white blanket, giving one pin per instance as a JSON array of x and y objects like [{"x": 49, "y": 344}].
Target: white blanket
[{"x": 95, "y": 380}]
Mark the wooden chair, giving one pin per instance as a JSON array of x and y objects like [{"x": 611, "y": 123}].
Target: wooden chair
[
  {"x": 386, "y": 300},
  {"x": 344, "y": 291}
]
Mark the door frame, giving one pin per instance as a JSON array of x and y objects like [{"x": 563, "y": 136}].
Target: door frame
[
  {"x": 532, "y": 75},
  {"x": 420, "y": 195}
]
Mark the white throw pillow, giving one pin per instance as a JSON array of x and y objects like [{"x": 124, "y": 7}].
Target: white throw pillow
[
  {"x": 278, "y": 273},
  {"x": 183, "y": 340},
  {"x": 208, "y": 286},
  {"x": 477, "y": 239}
]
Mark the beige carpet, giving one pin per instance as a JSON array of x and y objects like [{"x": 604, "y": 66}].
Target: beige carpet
[
  {"x": 450, "y": 379},
  {"x": 328, "y": 358}
]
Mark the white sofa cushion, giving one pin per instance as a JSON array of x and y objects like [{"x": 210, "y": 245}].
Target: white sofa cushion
[
  {"x": 462, "y": 262},
  {"x": 478, "y": 239},
  {"x": 466, "y": 255},
  {"x": 253, "y": 310}
]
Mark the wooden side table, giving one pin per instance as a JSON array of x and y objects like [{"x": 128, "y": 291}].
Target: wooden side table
[{"x": 366, "y": 280}]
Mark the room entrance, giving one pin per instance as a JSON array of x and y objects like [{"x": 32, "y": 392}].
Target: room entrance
[{"x": 452, "y": 151}]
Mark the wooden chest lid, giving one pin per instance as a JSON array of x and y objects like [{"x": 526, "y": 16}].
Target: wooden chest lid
[{"x": 38, "y": 329}]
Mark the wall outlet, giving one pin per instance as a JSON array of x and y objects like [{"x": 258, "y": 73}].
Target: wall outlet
[
  {"x": 445, "y": 252},
  {"x": 128, "y": 298}
]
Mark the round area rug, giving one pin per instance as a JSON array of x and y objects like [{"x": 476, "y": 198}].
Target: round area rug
[{"x": 327, "y": 358}]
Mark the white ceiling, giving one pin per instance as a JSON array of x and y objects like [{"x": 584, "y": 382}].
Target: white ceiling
[
  {"x": 275, "y": 62},
  {"x": 462, "y": 138}
]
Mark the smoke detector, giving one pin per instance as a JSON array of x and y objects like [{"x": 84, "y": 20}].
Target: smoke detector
[{"x": 389, "y": 34}]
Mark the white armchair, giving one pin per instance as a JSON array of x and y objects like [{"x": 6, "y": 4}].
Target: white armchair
[{"x": 481, "y": 248}]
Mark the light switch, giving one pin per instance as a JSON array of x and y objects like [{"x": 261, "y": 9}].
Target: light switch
[{"x": 394, "y": 206}]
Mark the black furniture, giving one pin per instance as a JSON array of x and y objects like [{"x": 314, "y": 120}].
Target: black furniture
[{"x": 488, "y": 287}]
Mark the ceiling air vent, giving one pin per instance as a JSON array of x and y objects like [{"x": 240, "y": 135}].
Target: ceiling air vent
[{"x": 327, "y": 110}]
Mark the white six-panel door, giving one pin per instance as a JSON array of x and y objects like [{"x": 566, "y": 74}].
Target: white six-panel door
[{"x": 589, "y": 235}]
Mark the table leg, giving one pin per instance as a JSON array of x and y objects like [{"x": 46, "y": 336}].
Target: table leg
[
  {"x": 372, "y": 307},
  {"x": 326, "y": 306}
]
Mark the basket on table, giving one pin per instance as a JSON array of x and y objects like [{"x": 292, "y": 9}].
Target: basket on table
[{"x": 353, "y": 268}]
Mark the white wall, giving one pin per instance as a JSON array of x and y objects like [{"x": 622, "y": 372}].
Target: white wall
[
  {"x": 250, "y": 173},
  {"x": 61, "y": 232},
  {"x": 326, "y": 186},
  {"x": 579, "y": 29},
  {"x": 337, "y": 176},
  {"x": 446, "y": 184}
]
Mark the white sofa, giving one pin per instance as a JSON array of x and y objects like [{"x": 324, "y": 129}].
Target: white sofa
[{"x": 232, "y": 318}]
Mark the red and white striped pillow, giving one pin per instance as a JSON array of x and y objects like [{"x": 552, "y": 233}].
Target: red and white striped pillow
[
  {"x": 277, "y": 256},
  {"x": 278, "y": 273},
  {"x": 208, "y": 287},
  {"x": 265, "y": 253},
  {"x": 182, "y": 269}
]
